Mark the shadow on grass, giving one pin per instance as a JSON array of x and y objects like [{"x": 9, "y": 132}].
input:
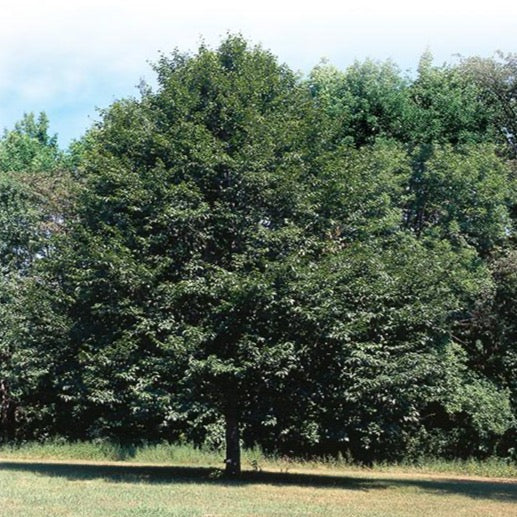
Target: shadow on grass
[{"x": 498, "y": 490}]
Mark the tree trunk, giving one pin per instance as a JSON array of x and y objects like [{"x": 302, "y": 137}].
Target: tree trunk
[
  {"x": 233, "y": 447},
  {"x": 7, "y": 412}
]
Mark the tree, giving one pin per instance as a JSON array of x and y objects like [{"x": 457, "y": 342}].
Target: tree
[
  {"x": 446, "y": 107},
  {"x": 366, "y": 101},
  {"x": 29, "y": 147},
  {"x": 490, "y": 338},
  {"x": 463, "y": 194},
  {"x": 303, "y": 262},
  {"x": 191, "y": 193},
  {"x": 376, "y": 354},
  {"x": 34, "y": 186},
  {"x": 496, "y": 79},
  {"x": 371, "y": 100}
]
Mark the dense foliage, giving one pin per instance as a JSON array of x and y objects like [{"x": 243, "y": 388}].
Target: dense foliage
[{"x": 320, "y": 265}]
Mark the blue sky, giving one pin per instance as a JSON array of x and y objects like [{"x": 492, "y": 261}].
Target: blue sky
[{"x": 70, "y": 57}]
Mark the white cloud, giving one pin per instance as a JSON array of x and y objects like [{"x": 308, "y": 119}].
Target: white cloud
[{"x": 65, "y": 55}]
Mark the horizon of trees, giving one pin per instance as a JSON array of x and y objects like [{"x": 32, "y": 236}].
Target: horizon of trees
[{"x": 318, "y": 265}]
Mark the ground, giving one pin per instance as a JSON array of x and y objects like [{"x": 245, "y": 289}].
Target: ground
[{"x": 45, "y": 488}]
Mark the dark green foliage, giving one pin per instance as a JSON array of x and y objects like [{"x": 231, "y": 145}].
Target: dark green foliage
[
  {"x": 496, "y": 80},
  {"x": 321, "y": 266},
  {"x": 33, "y": 198},
  {"x": 191, "y": 193},
  {"x": 367, "y": 101},
  {"x": 446, "y": 107},
  {"x": 371, "y": 100},
  {"x": 377, "y": 326},
  {"x": 464, "y": 195}
]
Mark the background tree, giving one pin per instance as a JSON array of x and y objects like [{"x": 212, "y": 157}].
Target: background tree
[
  {"x": 366, "y": 101},
  {"x": 464, "y": 195},
  {"x": 33, "y": 196},
  {"x": 379, "y": 369},
  {"x": 496, "y": 78},
  {"x": 447, "y": 107}
]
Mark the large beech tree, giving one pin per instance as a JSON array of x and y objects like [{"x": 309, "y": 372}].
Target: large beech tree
[{"x": 192, "y": 192}]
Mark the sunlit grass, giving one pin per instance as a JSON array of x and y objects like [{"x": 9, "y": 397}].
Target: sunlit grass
[{"x": 38, "y": 487}]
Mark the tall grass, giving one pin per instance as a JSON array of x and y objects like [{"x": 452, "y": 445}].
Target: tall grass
[
  {"x": 252, "y": 459},
  {"x": 103, "y": 450}
]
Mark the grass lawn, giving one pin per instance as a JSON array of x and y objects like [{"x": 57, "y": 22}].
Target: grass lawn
[{"x": 47, "y": 488}]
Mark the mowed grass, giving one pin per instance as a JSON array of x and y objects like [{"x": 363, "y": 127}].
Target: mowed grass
[{"x": 181, "y": 485}]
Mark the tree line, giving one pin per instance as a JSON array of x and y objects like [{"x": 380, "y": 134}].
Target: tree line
[{"x": 317, "y": 265}]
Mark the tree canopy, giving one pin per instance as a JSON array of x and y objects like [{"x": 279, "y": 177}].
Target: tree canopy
[{"x": 240, "y": 254}]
